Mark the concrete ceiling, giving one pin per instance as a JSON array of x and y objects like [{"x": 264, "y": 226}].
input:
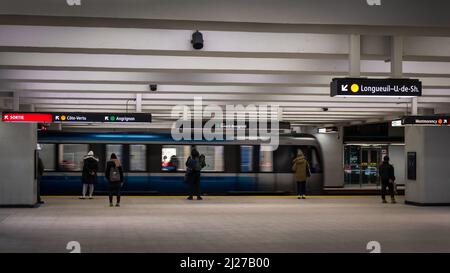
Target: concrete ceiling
[{"x": 61, "y": 63}]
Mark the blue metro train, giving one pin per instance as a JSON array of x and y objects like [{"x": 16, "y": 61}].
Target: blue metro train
[{"x": 154, "y": 163}]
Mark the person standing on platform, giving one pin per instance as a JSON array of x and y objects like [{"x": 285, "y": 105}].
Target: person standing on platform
[
  {"x": 194, "y": 164},
  {"x": 114, "y": 175},
  {"x": 300, "y": 167},
  {"x": 387, "y": 177},
  {"x": 89, "y": 174}
]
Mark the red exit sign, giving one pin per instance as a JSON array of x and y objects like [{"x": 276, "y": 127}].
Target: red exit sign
[{"x": 27, "y": 117}]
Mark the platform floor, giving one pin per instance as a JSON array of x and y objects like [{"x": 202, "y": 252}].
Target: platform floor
[{"x": 225, "y": 224}]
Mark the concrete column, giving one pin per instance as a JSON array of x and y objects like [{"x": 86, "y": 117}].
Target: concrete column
[
  {"x": 355, "y": 55},
  {"x": 432, "y": 183},
  {"x": 397, "y": 65},
  {"x": 414, "y": 108},
  {"x": 332, "y": 147},
  {"x": 16, "y": 102},
  {"x": 396, "y": 57},
  {"x": 17, "y": 164},
  {"x": 139, "y": 102}
]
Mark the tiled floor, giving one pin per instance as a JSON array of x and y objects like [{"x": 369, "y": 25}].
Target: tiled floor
[{"x": 225, "y": 224}]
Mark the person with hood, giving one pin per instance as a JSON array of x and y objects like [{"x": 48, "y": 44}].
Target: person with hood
[
  {"x": 387, "y": 177},
  {"x": 114, "y": 175},
  {"x": 89, "y": 174},
  {"x": 300, "y": 167},
  {"x": 194, "y": 164}
]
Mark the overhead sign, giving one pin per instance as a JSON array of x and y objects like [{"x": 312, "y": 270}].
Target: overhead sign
[
  {"x": 76, "y": 117},
  {"x": 101, "y": 117},
  {"x": 426, "y": 120},
  {"x": 27, "y": 117},
  {"x": 376, "y": 87}
]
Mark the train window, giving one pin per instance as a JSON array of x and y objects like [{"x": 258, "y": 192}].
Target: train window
[
  {"x": 174, "y": 157},
  {"x": 71, "y": 156},
  {"x": 283, "y": 158},
  {"x": 47, "y": 154},
  {"x": 138, "y": 157},
  {"x": 213, "y": 156},
  {"x": 315, "y": 161},
  {"x": 114, "y": 148},
  {"x": 265, "y": 161},
  {"x": 246, "y": 159}
]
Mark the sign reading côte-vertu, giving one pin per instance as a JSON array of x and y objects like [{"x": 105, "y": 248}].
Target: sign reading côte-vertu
[{"x": 351, "y": 87}]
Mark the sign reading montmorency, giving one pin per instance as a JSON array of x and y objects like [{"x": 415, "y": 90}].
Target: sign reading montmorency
[{"x": 376, "y": 87}]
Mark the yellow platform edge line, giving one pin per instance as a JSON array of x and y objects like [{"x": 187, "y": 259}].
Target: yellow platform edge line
[{"x": 219, "y": 196}]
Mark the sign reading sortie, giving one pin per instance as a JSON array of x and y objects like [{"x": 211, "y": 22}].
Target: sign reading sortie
[
  {"x": 353, "y": 87},
  {"x": 76, "y": 117},
  {"x": 27, "y": 117}
]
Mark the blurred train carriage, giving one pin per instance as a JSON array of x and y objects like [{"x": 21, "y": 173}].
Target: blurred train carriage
[{"x": 154, "y": 163}]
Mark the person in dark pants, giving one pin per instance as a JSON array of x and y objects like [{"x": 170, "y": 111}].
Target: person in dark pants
[
  {"x": 40, "y": 170},
  {"x": 194, "y": 164},
  {"x": 386, "y": 172},
  {"x": 114, "y": 175},
  {"x": 89, "y": 174},
  {"x": 300, "y": 167}
]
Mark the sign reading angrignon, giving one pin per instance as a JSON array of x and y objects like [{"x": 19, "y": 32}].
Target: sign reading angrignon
[{"x": 376, "y": 87}]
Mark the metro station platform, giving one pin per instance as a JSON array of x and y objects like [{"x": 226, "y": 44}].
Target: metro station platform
[{"x": 235, "y": 224}]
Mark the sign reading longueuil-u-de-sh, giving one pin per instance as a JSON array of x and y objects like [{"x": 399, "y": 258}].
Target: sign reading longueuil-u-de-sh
[{"x": 351, "y": 87}]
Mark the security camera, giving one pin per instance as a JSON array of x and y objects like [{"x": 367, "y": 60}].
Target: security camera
[
  {"x": 325, "y": 109},
  {"x": 153, "y": 87},
  {"x": 197, "y": 40}
]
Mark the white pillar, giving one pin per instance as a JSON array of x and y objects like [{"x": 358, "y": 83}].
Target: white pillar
[
  {"x": 432, "y": 183},
  {"x": 17, "y": 164},
  {"x": 355, "y": 55},
  {"x": 396, "y": 57},
  {"x": 332, "y": 147},
  {"x": 414, "y": 106},
  {"x": 138, "y": 102},
  {"x": 397, "y": 65}
]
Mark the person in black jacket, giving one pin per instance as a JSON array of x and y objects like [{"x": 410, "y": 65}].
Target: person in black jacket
[
  {"x": 194, "y": 164},
  {"x": 89, "y": 174},
  {"x": 114, "y": 175},
  {"x": 386, "y": 172}
]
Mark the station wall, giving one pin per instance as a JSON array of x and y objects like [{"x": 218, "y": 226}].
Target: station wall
[{"x": 17, "y": 164}]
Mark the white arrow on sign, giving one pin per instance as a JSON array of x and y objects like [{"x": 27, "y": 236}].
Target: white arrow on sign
[
  {"x": 107, "y": 118},
  {"x": 344, "y": 87},
  {"x": 56, "y": 117}
]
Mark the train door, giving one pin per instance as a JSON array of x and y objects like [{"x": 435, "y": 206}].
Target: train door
[{"x": 283, "y": 158}]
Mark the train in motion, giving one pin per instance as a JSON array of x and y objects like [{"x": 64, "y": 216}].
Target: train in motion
[{"x": 155, "y": 164}]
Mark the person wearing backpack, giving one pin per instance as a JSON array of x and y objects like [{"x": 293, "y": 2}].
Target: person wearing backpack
[
  {"x": 194, "y": 164},
  {"x": 114, "y": 175},
  {"x": 300, "y": 167},
  {"x": 89, "y": 174}
]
